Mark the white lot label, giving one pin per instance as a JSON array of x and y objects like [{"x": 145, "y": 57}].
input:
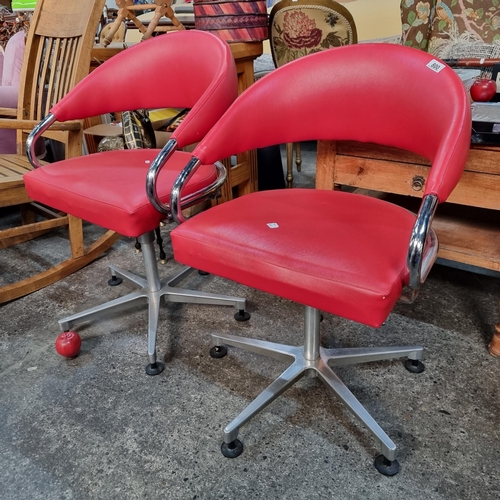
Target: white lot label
[{"x": 435, "y": 66}]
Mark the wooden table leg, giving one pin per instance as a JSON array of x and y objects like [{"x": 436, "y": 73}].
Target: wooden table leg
[{"x": 494, "y": 347}]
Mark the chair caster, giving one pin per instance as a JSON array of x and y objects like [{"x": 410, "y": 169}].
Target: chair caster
[
  {"x": 385, "y": 466},
  {"x": 414, "y": 365},
  {"x": 155, "y": 368},
  {"x": 114, "y": 281},
  {"x": 242, "y": 315},
  {"x": 233, "y": 449},
  {"x": 218, "y": 351},
  {"x": 202, "y": 273}
]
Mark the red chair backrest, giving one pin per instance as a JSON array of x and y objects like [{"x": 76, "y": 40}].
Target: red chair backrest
[
  {"x": 381, "y": 93},
  {"x": 185, "y": 69}
]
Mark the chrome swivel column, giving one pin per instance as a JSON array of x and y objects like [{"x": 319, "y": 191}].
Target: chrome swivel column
[
  {"x": 152, "y": 290},
  {"x": 313, "y": 360}
]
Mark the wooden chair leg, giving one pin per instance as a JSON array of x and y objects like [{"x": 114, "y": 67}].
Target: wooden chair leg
[
  {"x": 289, "y": 165},
  {"x": 298, "y": 157},
  {"x": 75, "y": 229},
  {"x": 27, "y": 215},
  {"x": 122, "y": 14},
  {"x": 494, "y": 346},
  {"x": 74, "y": 143},
  {"x": 170, "y": 14}
]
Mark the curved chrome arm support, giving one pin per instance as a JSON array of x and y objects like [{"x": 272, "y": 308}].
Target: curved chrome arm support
[
  {"x": 34, "y": 135},
  {"x": 422, "y": 251},
  {"x": 177, "y": 202},
  {"x": 154, "y": 171}
]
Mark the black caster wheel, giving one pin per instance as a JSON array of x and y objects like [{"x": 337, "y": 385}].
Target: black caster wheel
[
  {"x": 202, "y": 273},
  {"x": 414, "y": 365},
  {"x": 385, "y": 466},
  {"x": 218, "y": 351},
  {"x": 233, "y": 449},
  {"x": 114, "y": 281},
  {"x": 242, "y": 315},
  {"x": 155, "y": 368}
]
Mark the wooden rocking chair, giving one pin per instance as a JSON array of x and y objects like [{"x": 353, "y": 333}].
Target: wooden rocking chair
[{"x": 57, "y": 56}]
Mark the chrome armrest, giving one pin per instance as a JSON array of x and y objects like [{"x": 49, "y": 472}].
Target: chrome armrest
[
  {"x": 423, "y": 247},
  {"x": 37, "y": 132},
  {"x": 154, "y": 171},
  {"x": 177, "y": 202}
]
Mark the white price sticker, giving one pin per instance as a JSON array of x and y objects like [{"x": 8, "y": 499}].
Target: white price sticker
[
  {"x": 435, "y": 65},
  {"x": 272, "y": 225}
]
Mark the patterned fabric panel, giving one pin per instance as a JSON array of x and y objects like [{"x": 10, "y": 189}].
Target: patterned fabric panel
[
  {"x": 431, "y": 24},
  {"x": 297, "y": 31},
  {"x": 233, "y": 21}
]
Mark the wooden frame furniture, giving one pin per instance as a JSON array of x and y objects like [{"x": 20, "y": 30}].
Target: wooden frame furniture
[
  {"x": 466, "y": 235},
  {"x": 57, "y": 52},
  {"x": 242, "y": 175},
  {"x": 439, "y": 31},
  {"x": 126, "y": 11}
]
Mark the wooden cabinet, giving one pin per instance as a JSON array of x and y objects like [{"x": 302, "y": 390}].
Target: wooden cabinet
[
  {"x": 468, "y": 225},
  {"x": 242, "y": 174}
]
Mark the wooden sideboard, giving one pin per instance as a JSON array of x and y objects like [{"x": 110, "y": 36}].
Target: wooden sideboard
[
  {"x": 242, "y": 174},
  {"x": 468, "y": 225}
]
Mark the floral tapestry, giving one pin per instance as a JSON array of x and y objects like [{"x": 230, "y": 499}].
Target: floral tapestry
[
  {"x": 428, "y": 24},
  {"x": 300, "y": 30}
]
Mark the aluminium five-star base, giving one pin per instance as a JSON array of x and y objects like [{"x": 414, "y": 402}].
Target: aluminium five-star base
[
  {"x": 153, "y": 290},
  {"x": 315, "y": 361}
]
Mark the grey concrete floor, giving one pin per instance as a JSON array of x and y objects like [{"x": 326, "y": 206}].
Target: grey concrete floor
[{"x": 98, "y": 427}]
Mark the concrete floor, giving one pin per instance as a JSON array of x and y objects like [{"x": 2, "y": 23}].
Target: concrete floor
[{"x": 98, "y": 427}]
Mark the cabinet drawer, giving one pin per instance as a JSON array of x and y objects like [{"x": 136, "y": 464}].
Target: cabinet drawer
[
  {"x": 482, "y": 159},
  {"x": 474, "y": 189}
]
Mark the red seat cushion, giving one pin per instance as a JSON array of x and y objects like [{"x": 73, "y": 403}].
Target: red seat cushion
[
  {"x": 109, "y": 189},
  {"x": 339, "y": 252}
]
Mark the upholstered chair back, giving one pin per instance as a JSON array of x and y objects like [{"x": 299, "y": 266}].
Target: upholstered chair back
[
  {"x": 302, "y": 27},
  {"x": 13, "y": 60},
  {"x": 10, "y": 75}
]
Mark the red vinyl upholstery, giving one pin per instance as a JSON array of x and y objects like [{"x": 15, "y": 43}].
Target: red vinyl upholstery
[
  {"x": 334, "y": 251},
  {"x": 112, "y": 191},
  {"x": 319, "y": 261},
  {"x": 185, "y": 69},
  {"x": 381, "y": 93}
]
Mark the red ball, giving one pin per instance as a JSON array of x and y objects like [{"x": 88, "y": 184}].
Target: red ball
[
  {"x": 483, "y": 89},
  {"x": 68, "y": 344}
]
